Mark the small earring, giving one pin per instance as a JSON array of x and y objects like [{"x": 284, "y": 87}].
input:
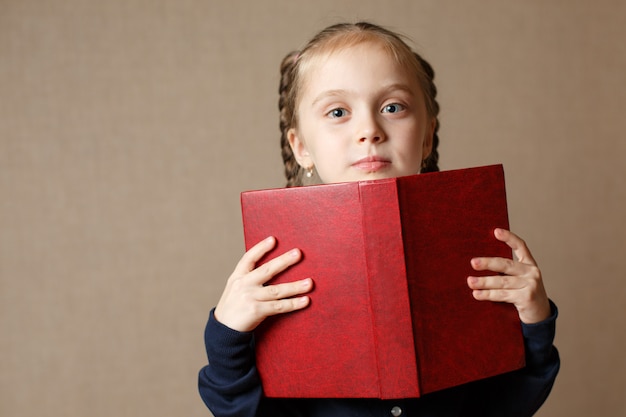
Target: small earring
[{"x": 309, "y": 172}]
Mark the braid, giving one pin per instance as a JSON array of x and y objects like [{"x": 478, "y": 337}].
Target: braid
[
  {"x": 286, "y": 106},
  {"x": 431, "y": 163}
]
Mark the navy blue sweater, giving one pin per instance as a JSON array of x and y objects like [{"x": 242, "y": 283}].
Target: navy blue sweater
[{"x": 230, "y": 385}]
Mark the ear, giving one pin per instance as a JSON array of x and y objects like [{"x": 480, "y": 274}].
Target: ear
[
  {"x": 299, "y": 149},
  {"x": 427, "y": 144}
]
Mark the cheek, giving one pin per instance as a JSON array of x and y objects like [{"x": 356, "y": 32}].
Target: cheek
[
  {"x": 418, "y": 134},
  {"x": 411, "y": 152},
  {"x": 326, "y": 155},
  {"x": 412, "y": 141}
]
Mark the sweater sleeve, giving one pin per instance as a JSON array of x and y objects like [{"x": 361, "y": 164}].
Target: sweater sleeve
[
  {"x": 229, "y": 385},
  {"x": 542, "y": 358}
]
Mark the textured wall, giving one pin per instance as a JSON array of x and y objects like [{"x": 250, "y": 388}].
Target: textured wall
[{"x": 128, "y": 129}]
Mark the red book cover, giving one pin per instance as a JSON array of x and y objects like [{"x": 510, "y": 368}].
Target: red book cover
[{"x": 391, "y": 315}]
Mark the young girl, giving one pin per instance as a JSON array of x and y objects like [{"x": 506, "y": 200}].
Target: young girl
[{"x": 356, "y": 103}]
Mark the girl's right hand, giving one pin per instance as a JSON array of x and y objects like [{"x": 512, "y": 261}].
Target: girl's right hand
[{"x": 246, "y": 301}]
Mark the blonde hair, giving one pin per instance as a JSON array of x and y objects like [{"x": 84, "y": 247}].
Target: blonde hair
[{"x": 294, "y": 67}]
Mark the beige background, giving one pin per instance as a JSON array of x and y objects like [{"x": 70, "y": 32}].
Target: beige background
[{"x": 128, "y": 129}]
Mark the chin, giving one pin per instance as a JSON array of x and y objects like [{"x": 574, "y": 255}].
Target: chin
[
  {"x": 376, "y": 175},
  {"x": 366, "y": 176}
]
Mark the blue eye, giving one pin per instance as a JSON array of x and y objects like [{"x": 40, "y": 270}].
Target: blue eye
[
  {"x": 393, "y": 108},
  {"x": 337, "y": 113}
]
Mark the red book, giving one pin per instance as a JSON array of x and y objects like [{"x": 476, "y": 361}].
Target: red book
[{"x": 391, "y": 315}]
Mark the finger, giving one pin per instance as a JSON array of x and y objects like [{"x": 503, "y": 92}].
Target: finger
[
  {"x": 285, "y": 305},
  {"x": 500, "y": 296},
  {"x": 286, "y": 290},
  {"x": 500, "y": 282},
  {"x": 254, "y": 254},
  {"x": 495, "y": 264},
  {"x": 520, "y": 250},
  {"x": 268, "y": 270}
]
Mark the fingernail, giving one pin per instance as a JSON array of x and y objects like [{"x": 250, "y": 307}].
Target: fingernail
[{"x": 294, "y": 253}]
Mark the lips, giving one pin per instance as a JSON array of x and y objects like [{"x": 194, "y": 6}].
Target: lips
[{"x": 372, "y": 163}]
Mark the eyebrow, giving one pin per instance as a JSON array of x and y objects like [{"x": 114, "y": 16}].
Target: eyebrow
[
  {"x": 328, "y": 93},
  {"x": 384, "y": 89}
]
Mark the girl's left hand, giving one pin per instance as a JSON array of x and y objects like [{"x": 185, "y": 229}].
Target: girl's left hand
[{"x": 519, "y": 281}]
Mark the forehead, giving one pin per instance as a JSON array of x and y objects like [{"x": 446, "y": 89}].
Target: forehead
[{"x": 361, "y": 65}]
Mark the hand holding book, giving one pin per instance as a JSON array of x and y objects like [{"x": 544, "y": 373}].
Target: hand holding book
[
  {"x": 519, "y": 282},
  {"x": 246, "y": 301}
]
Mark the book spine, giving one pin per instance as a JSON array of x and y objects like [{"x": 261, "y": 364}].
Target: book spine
[{"x": 389, "y": 298}]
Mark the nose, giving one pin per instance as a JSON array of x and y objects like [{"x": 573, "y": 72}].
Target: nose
[{"x": 370, "y": 130}]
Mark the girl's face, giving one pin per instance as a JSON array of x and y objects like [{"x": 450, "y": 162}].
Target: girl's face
[{"x": 361, "y": 116}]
